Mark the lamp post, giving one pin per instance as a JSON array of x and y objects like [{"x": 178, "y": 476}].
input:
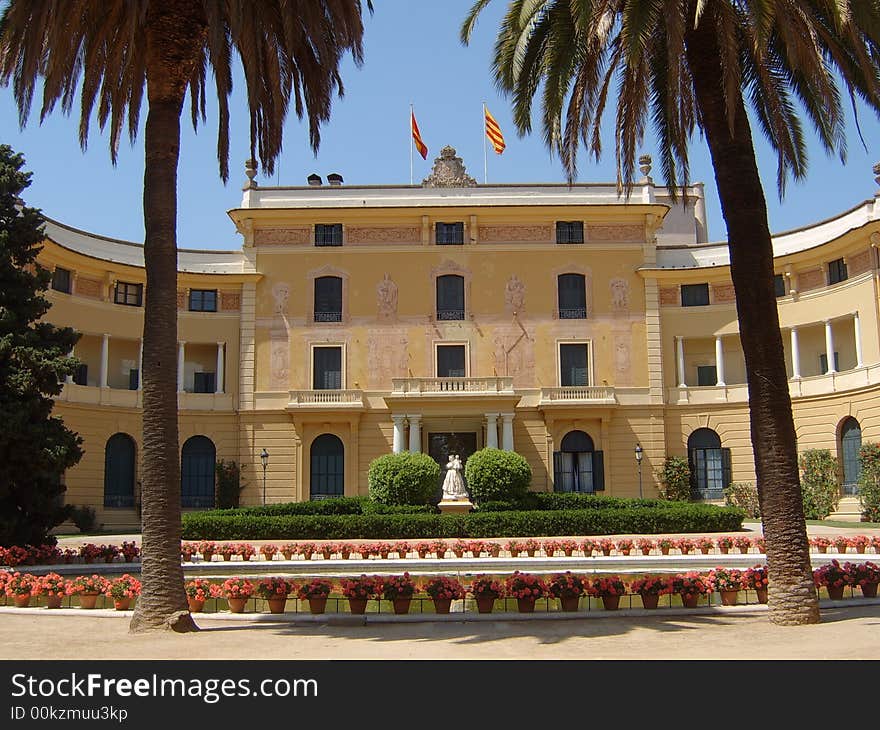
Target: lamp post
[
  {"x": 639, "y": 462},
  {"x": 264, "y": 458}
]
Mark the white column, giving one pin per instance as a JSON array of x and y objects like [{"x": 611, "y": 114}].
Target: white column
[
  {"x": 218, "y": 376},
  {"x": 181, "y": 359},
  {"x": 105, "y": 360},
  {"x": 141, "y": 366},
  {"x": 829, "y": 346},
  {"x": 415, "y": 434},
  {"x": 679, "y": 343},
  {"x": 397, "y": 445},
  {"x": 858, "y": 332},
  {"x": 719, "y": 361},
  {"x": 491, "y": 430},
  {"x": 69, "y": 378},
  {"x": 795, "y": 355},
  {"x": 507, "y": 431}
]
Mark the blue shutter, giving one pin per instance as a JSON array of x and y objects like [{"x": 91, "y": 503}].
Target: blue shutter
[{"x": 598, "y": 471}]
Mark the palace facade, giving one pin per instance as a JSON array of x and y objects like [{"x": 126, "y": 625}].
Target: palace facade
[{"x": 566, "y": 323}]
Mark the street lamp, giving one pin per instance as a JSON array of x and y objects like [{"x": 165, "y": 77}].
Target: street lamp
[
  {"x": 264, "y": 458},
  {"x": 639, "y": 462}
]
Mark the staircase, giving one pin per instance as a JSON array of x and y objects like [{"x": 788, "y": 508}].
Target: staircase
[{"x": 848, "y": 510}]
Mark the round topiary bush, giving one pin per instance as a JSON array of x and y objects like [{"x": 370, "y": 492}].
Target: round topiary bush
[
  {"x": 405, "y": 478},
  {"x": 493, "y": 474}
]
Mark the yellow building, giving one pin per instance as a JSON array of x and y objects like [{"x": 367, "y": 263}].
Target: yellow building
[{"x": 566, "y": 323}]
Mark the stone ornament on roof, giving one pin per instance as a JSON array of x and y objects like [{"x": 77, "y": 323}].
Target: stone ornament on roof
[{"x": 448, "y": 172}]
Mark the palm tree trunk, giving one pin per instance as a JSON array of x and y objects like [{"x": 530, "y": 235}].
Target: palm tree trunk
[
  {"x": 173, "y": 39},
  {"x": 793, "y": 597}
]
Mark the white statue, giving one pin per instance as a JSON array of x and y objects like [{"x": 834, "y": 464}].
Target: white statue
[{"x": 453, "y": 484}]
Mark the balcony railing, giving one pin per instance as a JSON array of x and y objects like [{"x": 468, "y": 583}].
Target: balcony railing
[
  {"x": 328, "y": 316},
  {"x": 452, "y": 386},
  {"x": 326, "y": 399},
  {"x": 444, "y": 315},
  {"x": 577, "y": 394},
  {"x": 576, "y": 313}
]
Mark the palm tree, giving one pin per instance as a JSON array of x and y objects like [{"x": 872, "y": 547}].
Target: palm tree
[
  {"x": 290, "y": 51},
  {"x": 692, "y": 64}
]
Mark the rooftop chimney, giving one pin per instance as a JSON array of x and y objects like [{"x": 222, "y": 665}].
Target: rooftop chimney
[
  {"x": 334, "y": 178},
  {"x": 314, "y": 179}
]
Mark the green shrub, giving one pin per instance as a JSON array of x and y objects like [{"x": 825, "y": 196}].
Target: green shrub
[
  {"x": 745, "y": 496},
  {"x": 869, "y": 482},
  {"x": 568, "y": 500},
  {"x": 675, "y": 479},
  {"x": 494, "y": 474},
  {"x": 84, "y": 518},
  {"x": 404, "y": 478},
  {"x": 333, "y": 506},
  {"x": 818, "y": 483},
  {"x": 229, "y": 484}
]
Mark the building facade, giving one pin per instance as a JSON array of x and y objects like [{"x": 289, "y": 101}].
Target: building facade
[{"x": 566, "y": 323}]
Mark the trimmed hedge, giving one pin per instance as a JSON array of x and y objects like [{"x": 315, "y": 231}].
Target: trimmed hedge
[
  {"x": 670, "y": 517},
  {"x": 571, "y": 500},
  {"x": 403, "y": 479},
  {"x": 494, "y": 474},
  {"x": 334, "y": 506}
]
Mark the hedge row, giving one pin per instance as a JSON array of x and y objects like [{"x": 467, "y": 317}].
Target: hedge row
[
  {"x": 334, "y": 506},
  {"x": 571, "y": 500},
  {"x": 670, "y": 517}
]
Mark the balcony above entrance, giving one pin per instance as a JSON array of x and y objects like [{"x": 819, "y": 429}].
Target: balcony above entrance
[
  {"x": 450, "y": 387},
  {"x": 578, "y": 395},
  {"x": 326, "y": 400}
]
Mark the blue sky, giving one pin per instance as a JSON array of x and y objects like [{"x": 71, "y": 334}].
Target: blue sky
[{"x": 413, "y": 56}]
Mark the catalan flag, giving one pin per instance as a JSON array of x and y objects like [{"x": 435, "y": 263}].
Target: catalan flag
[
  {"x": 417, "y": 138},
  {"x": 493, "y": 132}
]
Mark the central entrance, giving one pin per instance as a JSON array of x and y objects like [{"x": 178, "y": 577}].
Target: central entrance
[{"x": 442, "y": 444}]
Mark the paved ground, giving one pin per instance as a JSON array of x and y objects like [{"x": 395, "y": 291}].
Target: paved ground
[{"x": 845, "y": 633}]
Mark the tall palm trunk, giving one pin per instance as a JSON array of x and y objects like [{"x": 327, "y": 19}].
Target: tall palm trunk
[
  {"x": 792, "y": 594},
  {"x": 175, "y": 32}
]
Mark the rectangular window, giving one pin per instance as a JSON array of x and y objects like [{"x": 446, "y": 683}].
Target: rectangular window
[
  {"x": 573, "y": 365},
  {"x": 447, "y": 234},
  {"x": 129, "y": 294},
  {"x": 203, "y": 383},
  {"x": 328, "y": 299},
  {"x": 837, "y": 271},
  {"x": 694, "y": 295},
  {"x": 779, "y": 285},
  {"x": 707, "y": 375},
  {"x": 203, "y": 300},
  {"x": 451, "y": 361},
  {"x": 81, "y": 374},
  {"x": 572, "y": 296},
  {"x": 450, "y": 297},
  {"x": 328, "y": 234},
  {"x": 61, "y": 280},
  {"x": 823, "y": 363},
  {"x": 327, "y": 368},
  {"x": 569, "y": 231}
]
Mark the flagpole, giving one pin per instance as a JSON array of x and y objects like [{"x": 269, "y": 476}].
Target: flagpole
[
  {"x": 485, "y": 151},
  {"x": 411, "y": 112}
]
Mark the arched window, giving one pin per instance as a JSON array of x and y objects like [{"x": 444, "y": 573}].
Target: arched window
[
  {"x": 850, "y": 444},
  {"x": 709, "y": 463},
  {"x": 197, "y": 467},
  {"x": 328, "y": 299},
  {"x": 577, "y": 467},
  {"x": 328, "y": 467},
  {"x": 572, "y": 296},
  {"x": 119, "y": 463},
  {"x": 450, "y": 297}
]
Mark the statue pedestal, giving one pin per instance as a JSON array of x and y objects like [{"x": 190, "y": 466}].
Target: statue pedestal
[{"x": 455, "y": 506}]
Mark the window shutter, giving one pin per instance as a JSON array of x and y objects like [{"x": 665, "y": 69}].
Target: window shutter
[
  {"x": 725, "y": 467},
  {"x": 598, "y": 471},
  {"x": 133, "y": 377},
  {"x": 692, "y": 469},
  {"x": 557, "y": 471}
]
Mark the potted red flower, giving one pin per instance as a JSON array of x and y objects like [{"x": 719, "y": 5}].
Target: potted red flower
[
  {"x": 123, "y": 591},
  {"x": 237, "y": 592},
  {"x": 609, "y": 589},
  {"x": 606, "y": 545},
  {"x": 728, "y": 582},
  {"x": 646, "y": 545},
  {"x": 207, "y": 548},
  {"x": 587, "y": 546},
  {"x": 245, "y": 550},
  {"x": 88, "y": 588},
  {"x": 833, "y": 578},
  {"x": 275, "y": 591},
  {"x": 422, "y": 549},
  {"x": 666, "y": 544},
  {"x": 860, "y": 542},
  {"x": 21, "y": 587},
  {"x": 316, "y": 592},
  {"x": 399, "y": 590},
  {"x": 820, "y": 543},
  {"x": 402, "y": 548},
  {"x": 526, "y": 589},
  {"x": 650, "y": 588},
  {"x": 493, "y": 548},
  {"x": 55, "y": 587},
  {"x": 724, "y": 544},
  {"x": 87, "y": 552},
  {"x": 485, "y": 590},
  {"x": 690, "y": 586},
  {"x": 864, "y": 575},
  {"x": 841, "y": 543},
  {"x": 685, "y": 545},
  {"x": 459, "y": 548},
  {"x": 443, "y": 591},
  {"x": 625, "y": 545},
  {"x": 439, "y": 547},
  {"x": 568, "y": 588},
  {"x": 269, "y": 551},
  {"x": 359, "y": 590},
  {"x": 756, "y": 579},
  {"x": 306, "y": 549},
  {"x": 704, "y": 544},
  {"x": 288, "y": 550},
  {"x": 198, "y": 591},
  {"x": 743, "y": 543}
]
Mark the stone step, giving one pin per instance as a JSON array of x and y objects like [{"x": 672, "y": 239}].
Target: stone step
[{"x": 848, "y": 510}]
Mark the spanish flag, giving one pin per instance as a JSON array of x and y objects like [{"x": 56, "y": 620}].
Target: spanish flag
[
  {"x": 493, "y": 132},
  {"x": 417, "y": 138}
]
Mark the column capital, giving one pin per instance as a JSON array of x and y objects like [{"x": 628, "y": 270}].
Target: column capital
[
  {"x": 398, "y": 418},
  {"x": 414, "y": 418},
  {"x": 507, "y": 416},
  {"x": 493, "y": 416}
]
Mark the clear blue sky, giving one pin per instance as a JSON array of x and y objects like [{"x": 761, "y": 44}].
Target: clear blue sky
[{"x": 412, "y": 56}]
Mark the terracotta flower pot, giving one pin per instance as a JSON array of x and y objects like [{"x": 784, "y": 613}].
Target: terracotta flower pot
[
  {"x": 236, "y": 605},
  {"x": 401, "y": 605},
  {"x": 762, "y": 595},
  {"x": 208, "y": 555},
  {"x": 357, "y": 605},
  {"x": 569, "y": 603},
  {"x": 121, "y": 604},
  {"x": 822, "y": 548},
  {"x": 664, "y": 550},
  {"x": 318, "y": 604},
  {"x": 88, "y": 600},
  {"x": 277, "y": 605},
  {"x": 611, "y": 603},
  {"x": 485, "y": 604},
  {"x": 525, "y": 605},
  {"x": 196, "y": 605},
  {"x": 53, "y": 601},
  {"x": 287, "y": 554},
  {"x": 728, "y": 598},
  {"x": 442, "y": 605},
  {"x": 835, "y": 593},
  {"x": 723, "y": 550},
  {"x": 689, "y": 601},
  {"x": 705, "y": 550},
  {"x": 869, "y": 590},
  {"x": 649, "y": 600},
  {"x": 22, "y": 600}
]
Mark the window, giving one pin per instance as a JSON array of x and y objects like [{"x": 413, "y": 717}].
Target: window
[
  {"x": 327, "y": 467},
  {"x": 573, "y": 365},
  {"x": 61, "y": 280},
  {"x": 451, "y": 361},
  {"x": 129, "y": 294},
  {"x": 569, "y": 231},
  {"x": 850, "y": 444},
  {"x": 823, "y": 363},
  {"x": 197, "y": 465},
  {"x": 709, "y": 464},
  {"x": 572, "y": 296},
  {"x": 576, "y": 466},
  {"x": 694, "y": 295},
  {"x": 707, "y": 375},
  {"x": 449, "y": 233},
  {"x": 81, "y": 374},
  {"x": 328, "y": 234},
  {"x": 327, "y": 368},
  {"x": 203, "y": 383},
  {"x": 203, "y": 300},
  {"x": 328, "y": 299},
  {"x": 779, "y": 285},
  {"x": 450, "y": 297},
  {"x": 119, "y": 471},
  {"x": 837, "y": 271}
]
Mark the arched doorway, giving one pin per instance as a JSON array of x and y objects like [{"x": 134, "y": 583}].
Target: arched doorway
[
  {"x": 709, "y": 463},
  {"x": 327, "y": 467},
  {"x": 119, "y": 462},
  {"x": 198, "y": 460},
  {"x": 850, "y": 444},
  {"x": 577, "y": 466}
]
